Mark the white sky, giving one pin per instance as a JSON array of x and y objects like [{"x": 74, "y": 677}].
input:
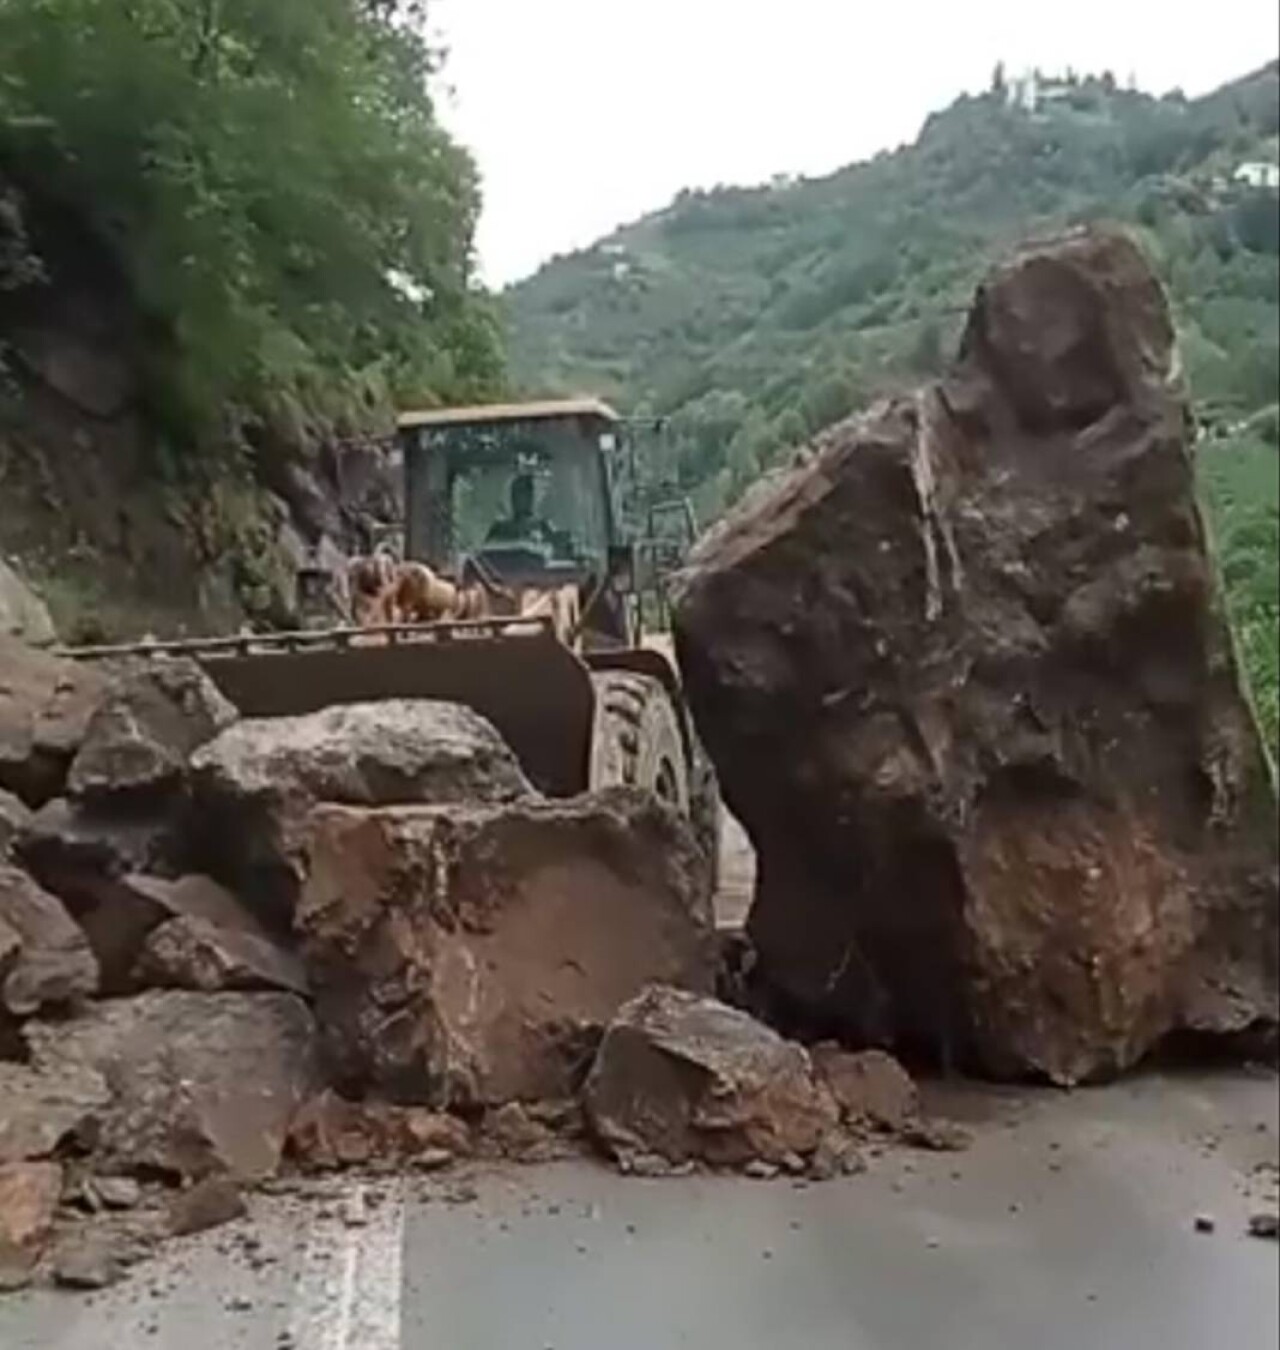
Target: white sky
[{"x": 584, "y": 114}]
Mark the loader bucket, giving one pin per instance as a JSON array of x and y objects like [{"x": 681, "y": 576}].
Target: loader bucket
[{"x": 534, "y": 690}]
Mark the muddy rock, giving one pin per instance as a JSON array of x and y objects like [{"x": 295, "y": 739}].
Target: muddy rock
[
  {"x": 870, "y": 1087},
  {"x": 256, "y": 782},
  {"x": 53, "y": 965},
  {"x": 472, "y": 955},
  {"x": 23, "y": 615},
  {"x": 29, "y": 1195},
  {"x": 144, "y": 730},
  {"x": 330, "y": 1132},
  {"x": 45, "y": 707},
  {"x": 199, "y": 1083},
  {"x": 967, "y": 685},
  {"x": 15, "y": 816},
  {"x": 42, "y": 1108},
  {"x": 208, "y": 1204},
  {"x": 684, "y": 1077}
]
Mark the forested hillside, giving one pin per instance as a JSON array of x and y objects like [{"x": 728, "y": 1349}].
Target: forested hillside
[
  {"x": 754, "y": 316},
  {"x": 231, "y": 232}
]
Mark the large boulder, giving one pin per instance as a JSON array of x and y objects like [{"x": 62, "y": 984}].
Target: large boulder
[
  {"x": 967, "y": 683},
  {"x": 23, "y": 615},
  {"x": 472, "y": 955},
  {"x": 683, "y": 1077},
  {"x": 256, "y": 782},
  {"x": 199, "y": 1083},
  {"x": 45, "y": 707},
  {"x": 145, "y": 728},
  {"x": 52, "y": 964}
]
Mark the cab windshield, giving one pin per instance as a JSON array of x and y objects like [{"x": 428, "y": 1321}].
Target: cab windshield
[{"x": 545, "y": 502}]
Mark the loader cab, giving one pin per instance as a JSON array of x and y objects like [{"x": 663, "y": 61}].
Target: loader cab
[{"x": 523, "y": 495}]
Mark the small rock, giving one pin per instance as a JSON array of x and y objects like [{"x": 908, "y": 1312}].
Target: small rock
[
  {"x": 117, "y": 1192},
  {"x": 1205, "y": 1223},
  {"x": 760, "y": 1170},
  {"x": 939, "y": 1136},
  {"x": 1264, "y": 1226},
  {"x": 91, "y": 1262},
  {"x": 433, "y": 1160},
  {"x": 208, "y": 1204},
  {"x": 869, "y": 1087},
  {"x": 355, "y": 1213},
  {"x": 835, "y": 1156}
]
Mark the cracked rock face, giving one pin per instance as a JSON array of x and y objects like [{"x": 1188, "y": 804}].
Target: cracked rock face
[{"x": 967, "y": 684}]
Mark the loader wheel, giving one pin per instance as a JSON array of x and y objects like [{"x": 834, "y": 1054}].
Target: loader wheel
[{"x": 636, "y": 741}]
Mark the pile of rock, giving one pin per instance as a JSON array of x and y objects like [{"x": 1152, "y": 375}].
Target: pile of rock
[{"x": 208, "y": 925}]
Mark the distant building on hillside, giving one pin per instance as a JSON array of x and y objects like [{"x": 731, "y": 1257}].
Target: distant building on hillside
[
  {"x": 1031, "y": 90},
  {"x": 1258, "y": 173}
]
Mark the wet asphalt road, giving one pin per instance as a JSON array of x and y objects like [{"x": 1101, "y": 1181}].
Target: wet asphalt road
[{"x": 1068, "y": 1225}]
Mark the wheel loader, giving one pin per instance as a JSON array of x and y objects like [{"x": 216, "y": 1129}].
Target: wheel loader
[{"x": 531, "y": 523}]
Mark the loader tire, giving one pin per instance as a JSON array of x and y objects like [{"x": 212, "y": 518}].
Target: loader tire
[{"x": 636, "y": 740}]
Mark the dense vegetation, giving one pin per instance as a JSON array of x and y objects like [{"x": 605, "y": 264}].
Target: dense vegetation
[
  {"x": 272, "y": 183},
  {"x": 752, "y": 317}
]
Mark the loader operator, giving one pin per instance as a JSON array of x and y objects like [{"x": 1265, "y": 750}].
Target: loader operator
[{"x": 522, "y": 526}]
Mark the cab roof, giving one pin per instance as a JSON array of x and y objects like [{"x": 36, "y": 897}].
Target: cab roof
[{"x": 482, "y": 414}]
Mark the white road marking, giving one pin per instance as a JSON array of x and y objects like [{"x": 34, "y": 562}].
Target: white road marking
[{"x": 348, "y": 1295}]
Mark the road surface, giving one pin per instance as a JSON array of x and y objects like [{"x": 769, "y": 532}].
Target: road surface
[{"x": 1070, "y": 1224}]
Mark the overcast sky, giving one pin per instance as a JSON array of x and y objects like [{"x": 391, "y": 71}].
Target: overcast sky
[{"x": 584, "y": 114}]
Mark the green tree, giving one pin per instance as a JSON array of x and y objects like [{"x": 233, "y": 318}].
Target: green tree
[{"x": 273, "y": 181}]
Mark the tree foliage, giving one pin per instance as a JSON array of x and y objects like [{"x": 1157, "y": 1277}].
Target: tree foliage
[{"x": 272, "y": 180}]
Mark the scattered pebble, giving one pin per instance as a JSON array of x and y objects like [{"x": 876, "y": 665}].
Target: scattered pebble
[
  {"x": 355, "y": 1213},
  {"x": 1264, "y": 1226},
  {"x": 1205, "y": 1223}
]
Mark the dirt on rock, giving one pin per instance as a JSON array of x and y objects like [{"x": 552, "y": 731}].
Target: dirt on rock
[
  {"x": 968, "y": 685},
  {"x": 472, "y": 955},
  {"x": 330, "y": 1132}
]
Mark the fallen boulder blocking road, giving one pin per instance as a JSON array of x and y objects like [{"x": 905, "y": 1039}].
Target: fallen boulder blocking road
[{"x": 967, "y": 682}]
